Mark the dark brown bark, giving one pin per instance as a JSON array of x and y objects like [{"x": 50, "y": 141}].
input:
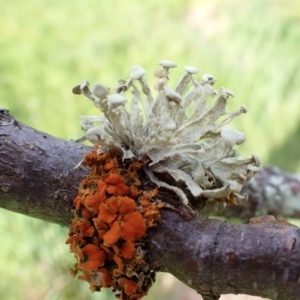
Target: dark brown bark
[
  {"x": 215, "y": 257},
  {"x": 212, "y": 256},
  {"x": 37, "y": 175}
]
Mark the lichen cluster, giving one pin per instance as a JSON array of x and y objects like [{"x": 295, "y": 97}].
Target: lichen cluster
[
  {"x": 112, "y": 215},
  {"x": 195, "y": 148}
]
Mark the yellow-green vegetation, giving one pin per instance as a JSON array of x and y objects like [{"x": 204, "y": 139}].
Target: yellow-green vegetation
[{"x": 46, "y": 47}]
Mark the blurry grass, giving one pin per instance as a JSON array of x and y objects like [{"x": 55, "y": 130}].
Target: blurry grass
[{"x": 48, "y": 46}]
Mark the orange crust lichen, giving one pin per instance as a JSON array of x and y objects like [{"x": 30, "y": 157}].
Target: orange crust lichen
[{"x": 112, "y": 215}]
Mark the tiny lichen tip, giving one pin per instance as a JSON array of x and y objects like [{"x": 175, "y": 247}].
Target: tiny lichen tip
[
  {"x": 137, "y": 72},
  {"x": 191, "y": 70},
  {"x": 167, "y": 64}
]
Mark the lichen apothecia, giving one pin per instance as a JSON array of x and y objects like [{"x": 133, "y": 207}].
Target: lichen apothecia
[{"x": 190, "y": 155}]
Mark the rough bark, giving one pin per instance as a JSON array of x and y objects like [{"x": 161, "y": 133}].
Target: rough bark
[
  {"x": 37, "y": 175},
  {"x": 215, "y": 257},
  {"x": 212, "y": 256}
]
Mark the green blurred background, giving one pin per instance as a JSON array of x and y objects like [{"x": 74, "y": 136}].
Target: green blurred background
[{"x": 46, "y": 47}]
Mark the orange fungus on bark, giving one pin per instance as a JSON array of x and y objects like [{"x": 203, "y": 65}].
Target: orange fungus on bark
[{"x": 112, "y": 215}]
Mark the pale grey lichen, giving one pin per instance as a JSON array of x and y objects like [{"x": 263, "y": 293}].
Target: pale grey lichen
[{"x": 195, "y": 148}]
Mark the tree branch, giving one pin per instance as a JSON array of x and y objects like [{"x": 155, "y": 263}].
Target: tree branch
[{"x": 212, "y": 256}]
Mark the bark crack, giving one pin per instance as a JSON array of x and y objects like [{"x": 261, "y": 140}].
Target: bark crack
[{"x": 214, "y": 295}]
